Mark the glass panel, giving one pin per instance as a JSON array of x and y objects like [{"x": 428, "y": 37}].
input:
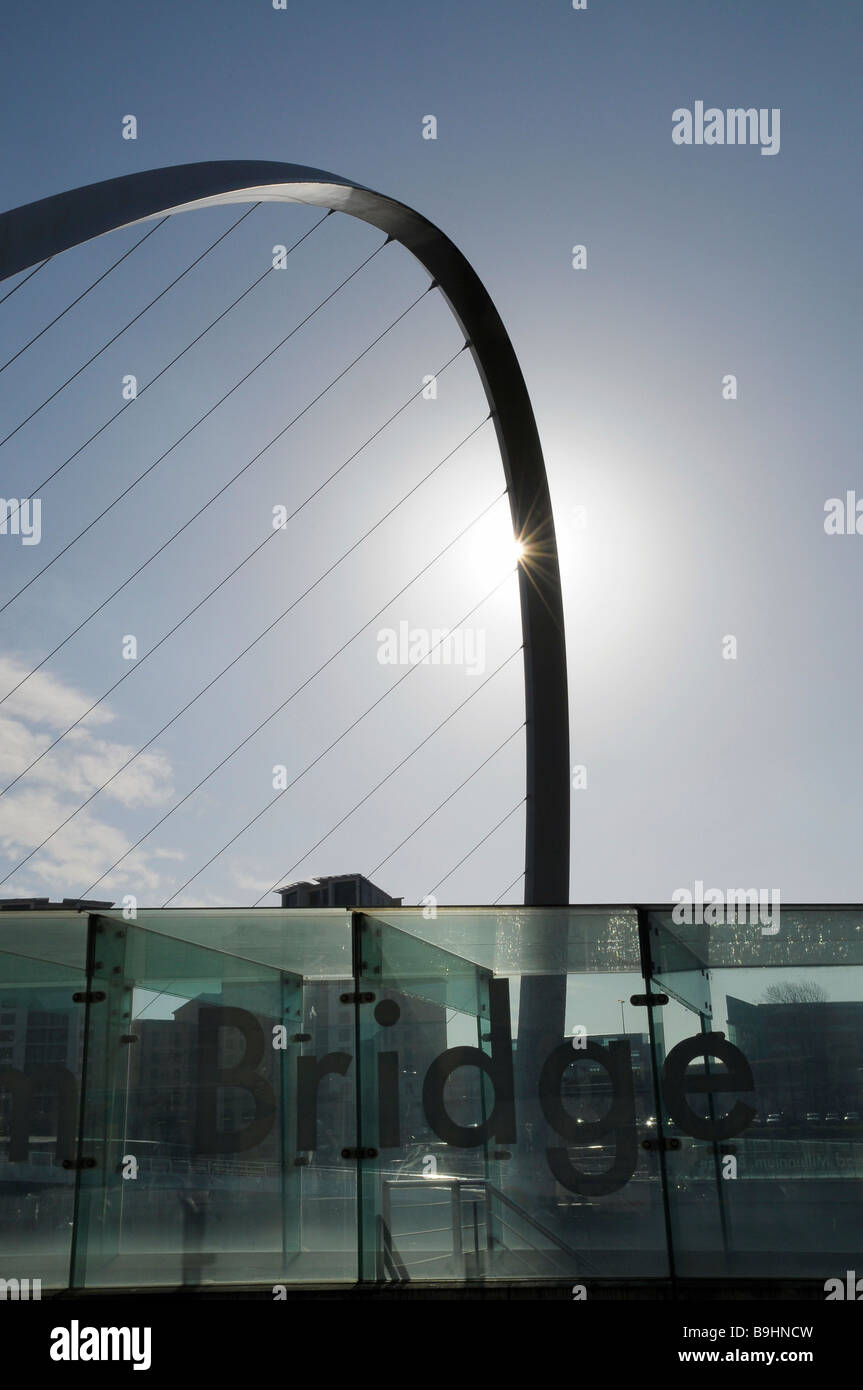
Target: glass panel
[
  {"x": 778, "y": 1187},
  {"x": 423, "y": 1201},
  {"x": 198, "y": 1165},
  {"x": 42, "y": 967},
  {"x": 531, "y": 1086},
  {"x": 690, "y": 1161},
  {"x": 315, "y": 945}
]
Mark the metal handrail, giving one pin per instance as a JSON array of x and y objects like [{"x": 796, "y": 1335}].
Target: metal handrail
[
  {"x": 488, "y": 1193},
  {"x": 539, "y": 1226}
]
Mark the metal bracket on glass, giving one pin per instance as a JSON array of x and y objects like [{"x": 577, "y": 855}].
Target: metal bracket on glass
[
  {"x": 648, "y": 1000},
  {"x": 663, "y": 1144},
  {"x": 359, "y": 1153},
  {"x": 364, "y": 997},
  {"x": 89, "y": 996},
  {"x": 79, "y": 1163}
]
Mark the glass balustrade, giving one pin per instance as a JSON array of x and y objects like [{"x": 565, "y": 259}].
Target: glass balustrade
[{"x": 263, "y": 1097}]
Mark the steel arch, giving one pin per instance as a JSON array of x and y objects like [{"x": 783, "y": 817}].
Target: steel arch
[{"x": 37, "y": 230}]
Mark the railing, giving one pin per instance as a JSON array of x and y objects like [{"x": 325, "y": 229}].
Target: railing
[{"x": 474, "y": 1257}]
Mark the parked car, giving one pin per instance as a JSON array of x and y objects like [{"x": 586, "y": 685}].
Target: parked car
[
  {"x": 851, "y": 1117},
  {"x": 775, "y": 1118},
  {"x": 812, "y": 1117},
  {"x": 832, "y": 1117}
]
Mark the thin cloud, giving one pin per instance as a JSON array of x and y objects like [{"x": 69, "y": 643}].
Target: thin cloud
[
  {"x": 79, "y": 765},
  {"x": 45, "y": 699}
]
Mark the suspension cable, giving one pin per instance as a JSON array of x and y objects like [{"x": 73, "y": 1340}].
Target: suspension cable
[
  {"x": 391, "y": 773},
  {"x": 278, "y": 710},
  {"x": 28, "y": 276},
  {"x": 270, "y": 534},
  {"x": 65, "y": 311},
  {"x": 296, "y": 692},
  {"x": 508, "y": 888},
  {"x": 440, "y": 807},
  {"x": 478, "y": 844},
  {"x": 315, "y": 761},
  {"x": 206, "y": 415},
  {"x": 174, "y": 360}
]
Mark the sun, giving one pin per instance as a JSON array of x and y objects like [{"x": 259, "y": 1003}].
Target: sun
[{"x": 493, "y": 551}]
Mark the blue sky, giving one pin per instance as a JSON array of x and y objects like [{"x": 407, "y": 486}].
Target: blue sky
[{"x": 704, "y": 515}]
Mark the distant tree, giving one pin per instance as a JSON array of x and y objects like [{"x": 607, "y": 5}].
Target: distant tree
[{"x": 789, "y": 992}]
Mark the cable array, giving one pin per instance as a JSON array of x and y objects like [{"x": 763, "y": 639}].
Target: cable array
[
  {"x": 272, "y": 716},
  {"x": 267, "y": 630},
  {"x": 271, "y": 534},
  {"x": 64, "y": 312},
  {"x": 201, "y": 418},
  {"x": 477, "y": 846},
  {"x": 225, "y": 580},
  {"x": 174, "y": 360}
]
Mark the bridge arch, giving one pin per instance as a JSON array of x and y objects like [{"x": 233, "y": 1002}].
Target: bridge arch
[{"x": 35, "y": 231}]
